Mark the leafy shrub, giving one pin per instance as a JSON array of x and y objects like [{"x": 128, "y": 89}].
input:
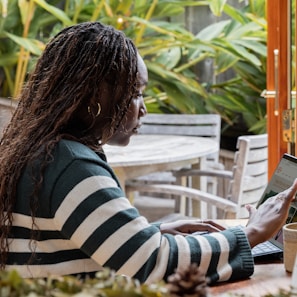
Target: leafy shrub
[{"x": 171, "y": 51}]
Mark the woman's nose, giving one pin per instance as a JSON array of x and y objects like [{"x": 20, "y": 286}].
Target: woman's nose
[{"x": 142, "y": 110}]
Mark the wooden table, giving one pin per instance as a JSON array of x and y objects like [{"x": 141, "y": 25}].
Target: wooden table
[
  {"x": 151, "y": 153},
  {"x": 268, "y": 278}
]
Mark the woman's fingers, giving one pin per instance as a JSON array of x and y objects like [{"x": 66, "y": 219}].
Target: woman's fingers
[
  {"x": 216, "y": 225},
  {"x": 289, "y": 195},
  {"x": 251, "y": 209},
  {"x": 270, "y": 216},
  {"x": 186, "y": 227},
  {"x": 205, "y": 226}
]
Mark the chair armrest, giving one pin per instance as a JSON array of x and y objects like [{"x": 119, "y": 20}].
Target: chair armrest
[
  {"x": 191, "y": 193},
  {"x": 205, "y": 172}
]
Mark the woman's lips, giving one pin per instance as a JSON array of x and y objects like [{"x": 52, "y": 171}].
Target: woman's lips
[{"x": 136, "y": 129}]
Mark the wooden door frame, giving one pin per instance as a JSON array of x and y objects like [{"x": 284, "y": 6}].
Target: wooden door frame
[{"x": 277, "y": 39}]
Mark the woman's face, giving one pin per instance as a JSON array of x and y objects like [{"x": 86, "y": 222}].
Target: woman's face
[{"x": 131, "y": 121}]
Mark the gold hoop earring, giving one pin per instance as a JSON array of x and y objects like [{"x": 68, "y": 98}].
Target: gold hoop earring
[{"x": 98, "y": 111}]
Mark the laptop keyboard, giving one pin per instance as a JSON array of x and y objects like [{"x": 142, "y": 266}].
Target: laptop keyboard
[{"x": 265, "y": 248}]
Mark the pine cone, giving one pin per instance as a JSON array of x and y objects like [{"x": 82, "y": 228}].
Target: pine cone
[{"x": 187, "y": 283}]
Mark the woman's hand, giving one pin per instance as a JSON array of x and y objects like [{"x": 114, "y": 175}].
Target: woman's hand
[
  {"x": 186, "y": 227},
  {"x": 269, "y": 218}
]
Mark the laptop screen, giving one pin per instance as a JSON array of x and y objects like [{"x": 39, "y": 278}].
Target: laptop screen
[{"x": 282, "y": 178}]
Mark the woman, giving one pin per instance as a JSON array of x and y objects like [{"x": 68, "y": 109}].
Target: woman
[{"x": 62, "y": 208}]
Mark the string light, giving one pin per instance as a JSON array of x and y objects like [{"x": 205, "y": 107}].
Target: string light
[{"x": 120, "y": 20}]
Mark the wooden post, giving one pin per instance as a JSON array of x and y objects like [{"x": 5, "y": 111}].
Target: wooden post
[{"x": 277, "y": 78}]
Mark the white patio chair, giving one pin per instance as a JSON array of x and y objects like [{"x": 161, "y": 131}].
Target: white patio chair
[
  {"x": 7, "y": 108},
  {"x": 248, "y": 180},
  {"x": 202, "y": 125}
]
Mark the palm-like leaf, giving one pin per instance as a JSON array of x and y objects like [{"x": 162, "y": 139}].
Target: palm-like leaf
[{"x": 170, "y": 51}]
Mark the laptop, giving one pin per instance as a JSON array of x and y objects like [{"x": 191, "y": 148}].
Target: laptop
[{"x": 282, "y": 178}]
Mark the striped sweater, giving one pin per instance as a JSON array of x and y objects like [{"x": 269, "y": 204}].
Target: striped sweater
[{"x": 85, "y": 222}]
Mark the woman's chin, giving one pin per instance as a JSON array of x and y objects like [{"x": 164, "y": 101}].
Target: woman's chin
[{"x": 120, "y": 141}]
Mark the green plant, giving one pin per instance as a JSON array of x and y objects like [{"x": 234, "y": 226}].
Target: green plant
[
  {"x": 239, "y": 44},
  {"x": 25, "y": 26},
  {"x": 105, "y": 284},
  {"x": 169, "y": 49}
]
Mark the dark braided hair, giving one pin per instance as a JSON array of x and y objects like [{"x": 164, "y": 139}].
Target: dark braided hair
[{"x": 79, "y": 67}]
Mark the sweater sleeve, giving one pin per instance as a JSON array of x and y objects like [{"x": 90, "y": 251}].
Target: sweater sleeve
[{"x": 92, "y": 212}]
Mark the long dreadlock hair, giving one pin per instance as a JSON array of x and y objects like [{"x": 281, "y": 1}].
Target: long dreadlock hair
[{"x": 75, "y": 66}]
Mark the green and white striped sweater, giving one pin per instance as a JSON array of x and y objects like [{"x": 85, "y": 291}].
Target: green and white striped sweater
[{"x": 86, "y": 222}]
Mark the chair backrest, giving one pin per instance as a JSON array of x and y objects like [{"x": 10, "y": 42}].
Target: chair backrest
[
  {"x": 248, "y": 180},
  {"x": 203, "y": 125},
  {"x": 249, "y": 172},
  {"x": 7, "y": 108}
]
